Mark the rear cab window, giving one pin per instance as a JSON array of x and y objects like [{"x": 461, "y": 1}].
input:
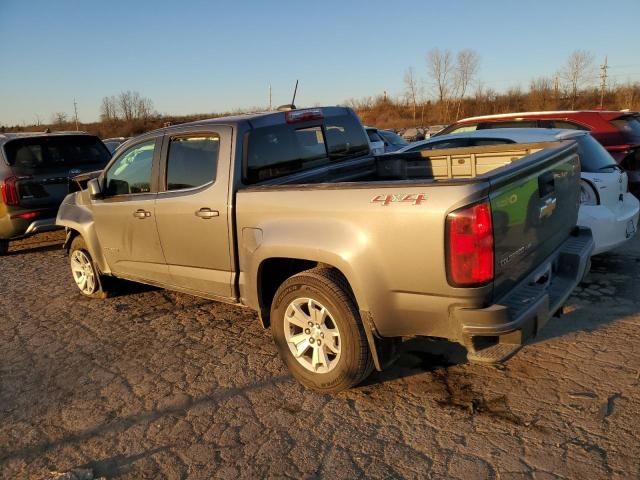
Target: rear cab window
[
  {"x": 285, "y": 148},
  {"x": 56, "y": 152}
]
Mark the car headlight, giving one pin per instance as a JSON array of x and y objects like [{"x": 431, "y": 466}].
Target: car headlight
[{"x": 588, "y": 194}]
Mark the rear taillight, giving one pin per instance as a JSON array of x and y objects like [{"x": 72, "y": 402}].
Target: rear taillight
[
  {"x": 296, "y": 116},
  {"x": 27, "y": 215},
  {"x": 470, "y": 246},
  {"x": 9, "y": 191}
]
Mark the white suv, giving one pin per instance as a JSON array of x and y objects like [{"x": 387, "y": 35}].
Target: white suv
[{"x": 606, "y": 206}]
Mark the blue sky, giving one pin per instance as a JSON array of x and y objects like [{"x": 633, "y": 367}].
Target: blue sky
[{"x": 208, "y": 56}]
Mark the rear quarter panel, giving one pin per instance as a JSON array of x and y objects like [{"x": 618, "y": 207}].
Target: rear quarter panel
[{"x": 392, "y": 254}]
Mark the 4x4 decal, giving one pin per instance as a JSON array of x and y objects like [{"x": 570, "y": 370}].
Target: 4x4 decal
[{"x": 413, "y": 198}]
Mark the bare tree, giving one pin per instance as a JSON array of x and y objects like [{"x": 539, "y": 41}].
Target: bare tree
[
  {"x": 144, "y": 108},
  {"x": 467, "y": 66},
  {"x": 59, "y": 119},
  {"x": 575, "y": 73},
  {"x": 440, "y": 69},
  {"x": 109, "y": 109},
  {"x": 541, "y": 94},
  {"x": 133, "y": 106},
  {"x": 411, "y": 89},
  {"x": 126, "y": 104}
]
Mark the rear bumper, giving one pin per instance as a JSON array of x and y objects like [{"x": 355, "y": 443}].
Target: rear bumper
[
  {"x": 611, "y": 227},
  {"x": 523, "y": 312},
  {"x": 17, "y": 228}
]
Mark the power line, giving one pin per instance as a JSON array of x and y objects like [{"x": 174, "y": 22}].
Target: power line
[
  {"x": 75, "y": 109},
  {"x": 603, "y": 80}
]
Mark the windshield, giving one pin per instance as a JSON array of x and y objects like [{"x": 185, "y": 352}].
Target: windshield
[
  {"x": 284, "y": 149},
  {"x": 630, "y": 126},
  {"x": 56, "y": 152},
  {"x": 593, "y": 156},
  {"x": 393, "y": 138}
]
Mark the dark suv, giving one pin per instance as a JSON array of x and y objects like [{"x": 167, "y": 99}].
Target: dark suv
[{"x": 35, "y": 169}]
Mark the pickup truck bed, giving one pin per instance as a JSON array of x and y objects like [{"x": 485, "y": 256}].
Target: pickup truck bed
[{"x": 341, "y": 252}]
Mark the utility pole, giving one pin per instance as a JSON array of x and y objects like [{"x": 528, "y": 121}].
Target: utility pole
[
  {"x": 75, "y": 109},
  {"x": 603, "y": 80},
  {"x": 270, "y": 105}
]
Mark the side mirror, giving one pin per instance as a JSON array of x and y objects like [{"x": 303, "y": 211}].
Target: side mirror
[{"x": 94, "y": 188}]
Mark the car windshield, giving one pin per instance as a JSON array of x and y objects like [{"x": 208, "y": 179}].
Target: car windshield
[
  {"x": 630, "y": 126},
  {"x": 56, "y": 152},
  {"x": 393, "y": 138},
  {"x": 593, "y": 156}
]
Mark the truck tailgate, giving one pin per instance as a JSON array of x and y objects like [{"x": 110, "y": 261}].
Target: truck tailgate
[{"x": 534, "y": 210}]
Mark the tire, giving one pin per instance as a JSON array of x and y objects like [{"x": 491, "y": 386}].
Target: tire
[
  {"x": 320, "y": 298},
  {"x": 4, "y": 247},
  {"x": 79, "y": 257}
]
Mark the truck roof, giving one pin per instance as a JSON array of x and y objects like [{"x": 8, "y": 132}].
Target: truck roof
[{"x": 253, "y": 120}]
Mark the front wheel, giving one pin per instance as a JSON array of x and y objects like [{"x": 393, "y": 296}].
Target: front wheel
[
  {"x": 4, "y": 247},
  {"x": 318, "y": 332},
  {"x": 84, "y": 271}
]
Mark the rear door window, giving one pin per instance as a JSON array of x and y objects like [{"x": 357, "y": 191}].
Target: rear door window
[
  {"x": 192, "y": 161},
  {"x": 64, "y": 152}
]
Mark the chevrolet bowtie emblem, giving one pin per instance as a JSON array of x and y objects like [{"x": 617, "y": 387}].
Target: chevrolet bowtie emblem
[{"x": 547, "y": 209}]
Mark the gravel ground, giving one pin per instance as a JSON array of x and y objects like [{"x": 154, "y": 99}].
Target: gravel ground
[{"x": 152, "y": 384}]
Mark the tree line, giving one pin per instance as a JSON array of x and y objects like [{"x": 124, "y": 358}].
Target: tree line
[{"x": 450, "y": 90}]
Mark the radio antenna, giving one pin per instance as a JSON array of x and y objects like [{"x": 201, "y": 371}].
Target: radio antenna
[{"x": 295, "y": 90}]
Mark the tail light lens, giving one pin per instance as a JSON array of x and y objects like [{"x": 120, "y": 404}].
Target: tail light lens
[
  {"x": 470, "y": 246},
  {"x": 9, "y": 191},
  {"x": 27, "y": 215}
]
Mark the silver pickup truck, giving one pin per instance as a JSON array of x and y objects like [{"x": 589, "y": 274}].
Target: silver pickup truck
[{"x": 341, "y": 253}]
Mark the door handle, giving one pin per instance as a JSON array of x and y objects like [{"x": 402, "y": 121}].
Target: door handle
[
  {"x": 207, "y": 213},
  {"x": 141, "y": 214}
]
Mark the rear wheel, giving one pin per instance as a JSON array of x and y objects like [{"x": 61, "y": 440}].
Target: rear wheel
[
  {"x": 318, "y": 332},
  {"x": 4, "y": 247},
  {"x": 84, "y": 271}
]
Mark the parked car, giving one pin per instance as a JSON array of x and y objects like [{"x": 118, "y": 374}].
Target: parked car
[
  {"x": 113, "y": 143},
  {"x": 376, "y": 143},
  {"x": 433, "y": 130},
  {"x": 340, "y": 252},
  {"x": 413, "y": 134},
  {"x": 617, "y": 131},
  {"x": 34, "y": 177},
  {"x": 606, "y": 206},
  {"x": 392, "y": 141}
]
